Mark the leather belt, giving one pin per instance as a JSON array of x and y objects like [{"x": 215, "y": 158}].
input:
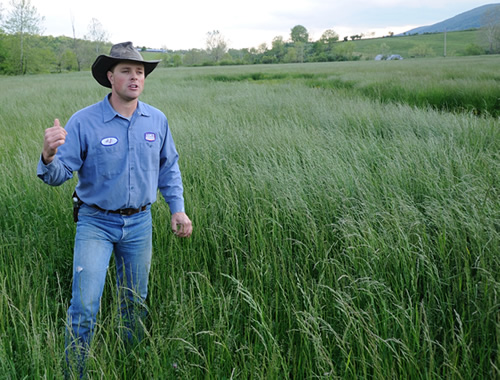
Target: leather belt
[{"x": 123, "y": 211}]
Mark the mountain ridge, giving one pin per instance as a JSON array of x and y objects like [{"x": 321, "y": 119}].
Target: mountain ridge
[{"x": 467, "y": 20}]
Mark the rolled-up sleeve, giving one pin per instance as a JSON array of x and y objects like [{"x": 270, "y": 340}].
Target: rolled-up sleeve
[{"x": 55, "y": 173}]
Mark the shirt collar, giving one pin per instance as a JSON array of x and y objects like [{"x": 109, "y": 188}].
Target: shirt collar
[{"x": 109, "y": 112}]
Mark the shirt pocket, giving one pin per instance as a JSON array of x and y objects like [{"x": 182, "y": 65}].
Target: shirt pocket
[
  {"x": 110, "y": 162},
  {"x": 149, "y": 156}
]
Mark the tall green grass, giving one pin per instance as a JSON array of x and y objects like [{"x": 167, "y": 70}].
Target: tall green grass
[
  {"x": 452, "y": 84},
  {"x": 337, "y": 235}
]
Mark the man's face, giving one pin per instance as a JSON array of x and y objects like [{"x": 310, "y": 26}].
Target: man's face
[{"x": 127, "y": 80}]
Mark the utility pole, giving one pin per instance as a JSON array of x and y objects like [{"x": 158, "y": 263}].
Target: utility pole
[{"x": 445, "y": 42}]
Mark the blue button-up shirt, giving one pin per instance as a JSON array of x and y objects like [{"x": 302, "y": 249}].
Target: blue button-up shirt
[{"x": 121, "y": 163}]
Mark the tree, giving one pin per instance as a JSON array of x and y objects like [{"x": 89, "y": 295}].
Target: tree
[
  {"x": 84, "y": 49},
  {"x": 76, "y": 46},
  {"x": 250, "y": 56},
  {"x": 23, "y": 20},
  {"x": 262, "y": 48},
  {"x": 216, "y": 45},
  {"x": 194, "y": 57},
  {"x": 291, "y": 55},
  {"x": 3, "y": 52},
  {"x": 299, "y": 34},
  {"x": 97, "y": 34},
  {"x": 329, "y": 36},
  {"x": 301, "y": 50},
  {"x": 278, "y": 48},
  {"x": 68, "y": 61},
  {"x": 176, "y": 60},
  {"x": 473, "y": 49},
  {"x": 325, "y": 43},
  {"x": 490, "y": 26},
  {"x": 345, "y": 51},
  {"x": 421, "y": 50}
]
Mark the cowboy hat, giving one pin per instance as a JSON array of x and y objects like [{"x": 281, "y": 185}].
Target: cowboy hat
[{"x": 123, "y": 51}]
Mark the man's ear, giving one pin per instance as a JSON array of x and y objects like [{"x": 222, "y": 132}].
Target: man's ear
[{"x": 110, "y": 76}]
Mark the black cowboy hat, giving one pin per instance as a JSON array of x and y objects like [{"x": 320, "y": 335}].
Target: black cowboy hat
[{"x": 123, "y": 51}]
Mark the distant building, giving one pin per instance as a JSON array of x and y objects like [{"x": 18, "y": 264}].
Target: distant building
[
  {"x": 151, "y": 50},
  {"x": 393, "y": 57}
]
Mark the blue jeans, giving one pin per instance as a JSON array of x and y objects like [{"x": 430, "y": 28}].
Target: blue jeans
[{"x": 98, "y": 234}]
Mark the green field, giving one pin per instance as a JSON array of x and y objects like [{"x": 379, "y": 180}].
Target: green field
[
  {"x": 346, "y": 216},
  {"x": 456, "y": 44}
]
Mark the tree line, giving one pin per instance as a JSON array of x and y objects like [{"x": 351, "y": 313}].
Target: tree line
[
  {"x": 24, "y": 50},
  {"x": 297, "y": 49}
]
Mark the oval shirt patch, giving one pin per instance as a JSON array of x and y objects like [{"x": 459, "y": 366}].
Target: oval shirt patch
[
  {"x": 150, "y": 136},
  {"x": 108, "y": 141}
]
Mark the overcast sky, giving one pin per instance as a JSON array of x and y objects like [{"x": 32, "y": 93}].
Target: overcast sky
[{"x": 184, "y": 24}]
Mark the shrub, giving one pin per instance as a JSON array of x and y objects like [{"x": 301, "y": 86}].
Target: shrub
[{"x": 473, "y": 49}]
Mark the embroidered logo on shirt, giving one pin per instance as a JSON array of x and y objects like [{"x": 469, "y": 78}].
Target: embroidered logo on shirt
[
  {"x": 150, "y": 136},
  {"x": 108, "y": 141}
]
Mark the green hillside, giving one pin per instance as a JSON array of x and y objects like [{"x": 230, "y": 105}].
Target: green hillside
[{"x": 456, "y": 44}]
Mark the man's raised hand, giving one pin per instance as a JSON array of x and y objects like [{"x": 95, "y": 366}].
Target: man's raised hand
[{"x": 54, "y": 137}]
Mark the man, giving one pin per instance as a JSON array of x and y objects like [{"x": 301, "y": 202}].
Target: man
[{"x": 123, "y": 152}]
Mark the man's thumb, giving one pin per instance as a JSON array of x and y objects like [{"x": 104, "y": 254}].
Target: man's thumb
[{"x": 56, "y": 123}]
